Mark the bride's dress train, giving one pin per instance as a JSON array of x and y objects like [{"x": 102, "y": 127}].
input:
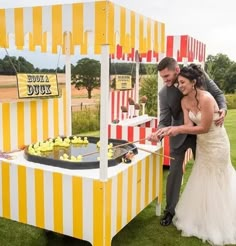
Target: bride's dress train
[{"x": 207, "y": 206}]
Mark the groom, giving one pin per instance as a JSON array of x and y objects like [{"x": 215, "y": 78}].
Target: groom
[{"x": 171, "y": 115}]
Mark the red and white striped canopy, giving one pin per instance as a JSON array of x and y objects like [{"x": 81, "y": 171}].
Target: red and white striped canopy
[
  {"x": 89, "y": 24},
  {"x": 184, "y": 46}
]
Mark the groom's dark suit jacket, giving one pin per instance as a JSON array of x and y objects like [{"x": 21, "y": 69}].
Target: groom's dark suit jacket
[{"x": 171, "y": 112}]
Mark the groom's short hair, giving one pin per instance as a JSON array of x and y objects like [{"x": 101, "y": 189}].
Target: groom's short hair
[{"x": 167, "y": 62}]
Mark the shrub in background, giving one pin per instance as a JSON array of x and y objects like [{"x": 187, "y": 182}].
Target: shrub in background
[
  {"x": 86, "y": 120},
  {"x": 231, "y": 101}
]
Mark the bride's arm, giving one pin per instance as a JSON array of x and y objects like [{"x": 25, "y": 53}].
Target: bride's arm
[{"x": 207, "y": 112}]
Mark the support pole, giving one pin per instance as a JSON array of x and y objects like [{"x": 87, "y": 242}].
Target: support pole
[
  {"x": 68, "y": 84},
  {"x": 159, "y": 86},
  {"x": 137, "y": 81},
  {"x": 104, "y": 111}
]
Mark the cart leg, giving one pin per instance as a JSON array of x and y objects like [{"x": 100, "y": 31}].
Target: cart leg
[{"x": 158, "y": 208}]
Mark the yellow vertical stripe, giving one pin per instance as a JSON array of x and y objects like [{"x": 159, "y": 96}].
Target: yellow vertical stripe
[
  {"x": 56, "y": 27},
  {"x": 22, "y": 198},
  {"x": 20, "y": 124},
  {"x": 161, "y": 151},
  {"x": 39, "y": 198},
  {"x": 72, "y": 48},
  {"x": 101, "y": 22},
  {"x": 31, "y": 42},
  {"x": 147, "y": 169},
  {"x": 6, "y": 190},
  {"x": 45, "y": 119},
  {"x": 127, "y": 47},
  {"x": 37, "y": 25},
  {"x": 156, "y": 36},
  {"x": 6, "y": 119},
  {"x": 111, "y": 23},
  {"x": 55, "y": 116},
  {"x": 154, "y": 177},
  {"x": 119, "y": 202},
  {"x": 57, "y": 202},
  {"x": 98, "y": 213},
  {"x": 130, "y": 194},
  {"x": 77, "y": 196},
  {"x": 3, "y": 33},
  {"x": 84, "y": 46},
  {"x": 33, "y": 121},
  {"x": 132, "y": 37},
  {"x": 138, "y": 197},
  {"x": 19, "y": 28},
  {"x": 148, "y": 46},
  {"x": 141, "y": 30},
  {"x": 108, "y": 212},
  {"x": 78, "y": 23},
  {"x": 122, "y": 26},
  {"x": 44, "y": 42},
  {"x": 163, "y": 38}
]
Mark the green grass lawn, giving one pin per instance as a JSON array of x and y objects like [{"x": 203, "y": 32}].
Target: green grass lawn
[{"x": 143, "y": 230}]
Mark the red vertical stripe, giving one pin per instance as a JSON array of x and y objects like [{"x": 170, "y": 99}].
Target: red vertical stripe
[
  {"x": 170, "y": 46},
  {"x": 183, "y": 46},
  {"x": 148, "y": 124},
  {"x": 154, "y": 130},
  {"x": 166, "y": 151},
  {"x": 118, "y": 51},
  {"x": 142, "y": 134},
  {"x": 119, "y": 132},
  {"x": 149, "y": 56},
  {"x": 130, "y": 134}
]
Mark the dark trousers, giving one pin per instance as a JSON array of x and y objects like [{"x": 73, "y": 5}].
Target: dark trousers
[{"x": 175, "y": 175}]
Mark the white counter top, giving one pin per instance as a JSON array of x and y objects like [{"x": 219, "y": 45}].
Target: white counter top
[
  {"x": 18, "y": 159},
  {"x": 136, "y": 120}
]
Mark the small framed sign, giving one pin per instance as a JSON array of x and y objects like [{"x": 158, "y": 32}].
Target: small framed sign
[{"x": 123, "y": 82}]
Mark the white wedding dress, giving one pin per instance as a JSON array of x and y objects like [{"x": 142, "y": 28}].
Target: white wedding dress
[{"x": 207, "y": 206}]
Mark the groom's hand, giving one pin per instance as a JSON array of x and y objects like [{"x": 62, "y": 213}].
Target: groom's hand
[
  {"x": 156, "y": 136},
  {"x": 220, "y": 121}
]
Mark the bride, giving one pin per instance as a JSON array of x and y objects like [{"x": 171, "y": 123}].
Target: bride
[{"x": 207, "y": 206}]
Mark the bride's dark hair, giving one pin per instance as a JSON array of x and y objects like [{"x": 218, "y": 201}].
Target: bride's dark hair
[{"x": 195, "y": 73}]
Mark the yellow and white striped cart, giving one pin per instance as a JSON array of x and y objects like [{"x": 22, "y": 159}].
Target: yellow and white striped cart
[{"x": 76, "y": 202}]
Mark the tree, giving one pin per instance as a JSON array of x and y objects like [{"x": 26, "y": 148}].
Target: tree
[
  {"x": 230, "y": 77},
  {"x": 216, "y": 67},
  {"x": 86, "y": 74}
]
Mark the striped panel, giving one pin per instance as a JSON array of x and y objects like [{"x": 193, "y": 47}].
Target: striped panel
[
  {"x": 118, "y": 99},
  {"x": 23, "y": 123},
  {"x": 133, "y": 133},
  {"x": 44, "y": 26},
  {"x": 180, "y": 47},
  {"x": 84, "y": 208},
  {"x": 130, "y": 133}
]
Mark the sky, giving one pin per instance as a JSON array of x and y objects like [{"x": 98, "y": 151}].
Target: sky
[{"x": 209, "y": 21}]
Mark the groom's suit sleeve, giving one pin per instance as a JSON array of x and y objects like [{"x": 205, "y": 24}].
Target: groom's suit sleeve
[
  {"x": 165, "y": 113},
  {"x": 216, "y": 92}
]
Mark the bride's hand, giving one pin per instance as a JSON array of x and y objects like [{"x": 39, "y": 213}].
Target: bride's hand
[{"x": 172, "y": 131}]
